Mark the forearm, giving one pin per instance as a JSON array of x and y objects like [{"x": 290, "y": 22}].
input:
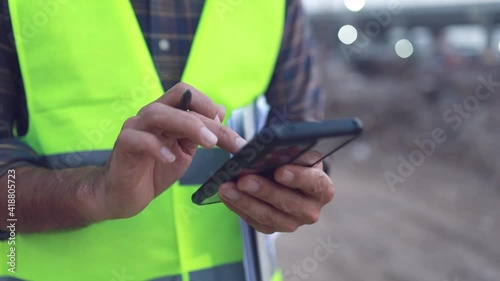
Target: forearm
[{"x": 50, "y": 200}]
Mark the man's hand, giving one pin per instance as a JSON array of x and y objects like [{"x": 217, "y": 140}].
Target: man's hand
[
  {"x": 155, "y": 148},
  {"x": 295, "y": 198}
]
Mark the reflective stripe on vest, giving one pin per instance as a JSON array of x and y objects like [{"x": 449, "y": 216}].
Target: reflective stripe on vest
[
  {"x": 230, "y": 272},
  {"x": 197, "y": 173},
  {"x": 86, "y": 69}
]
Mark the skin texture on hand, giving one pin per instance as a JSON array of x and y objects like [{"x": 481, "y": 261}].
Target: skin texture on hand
[
  {"x": 155, "y": 148},
  {"x": 294, "y": 198}
]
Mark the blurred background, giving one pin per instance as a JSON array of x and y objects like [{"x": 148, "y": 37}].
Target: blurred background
[{"x": 418, "y": 196}]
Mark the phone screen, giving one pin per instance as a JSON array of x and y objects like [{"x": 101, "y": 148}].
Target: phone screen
[{"x": 305, "y": 154}]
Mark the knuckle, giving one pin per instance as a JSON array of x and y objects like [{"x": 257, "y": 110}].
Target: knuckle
[
  {"x": 312, "y": 217},
  {"x": 321, "y": 184},
  {"x": 196, "y": 121},
  {"x": 123, "y": 136},
  {"x": 266, "y": 220},
  {"x": 330, "y": 194},
  {"x": 223, "y": 132},
  {"x": 153, "y": 118},
  {"x": 290, "y": 227},
  {"x": 148, "y": 109},
  {"x": 156, "y": 106},
  {"x": 265, "y": 193},
  {"x": 129, "y": 123},
  {"x": 301, "y": 173},
  {"x": 149, "y": 141},
  {"x": 287, "y": 206},
  {"x": 189, "y": 119},
  {"x": 180, "y": 85},
  {"x": 245, "y": 204}
]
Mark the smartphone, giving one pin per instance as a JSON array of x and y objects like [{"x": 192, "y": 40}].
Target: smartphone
[{"x": 305, "y": 144}]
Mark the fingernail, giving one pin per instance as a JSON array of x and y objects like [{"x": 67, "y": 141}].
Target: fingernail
[
  {"x": 217, "y": 118},
  {"x": 167, "y": 154},
  {"x": 287, "y": 176},
  {"x": 208, "y": 136},
  {"x": 252, "y": 186},
  {"x": 240, "y": 143},
  {"x": 231, "y": 193}
]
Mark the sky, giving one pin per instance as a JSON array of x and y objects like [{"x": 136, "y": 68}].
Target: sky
[{"x": 314, "y": 5}]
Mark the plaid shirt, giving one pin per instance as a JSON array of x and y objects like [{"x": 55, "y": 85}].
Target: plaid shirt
[{"x": 169, "y": 27}]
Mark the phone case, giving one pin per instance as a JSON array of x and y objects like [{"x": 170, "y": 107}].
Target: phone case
[{"x": 262, "y": 155}]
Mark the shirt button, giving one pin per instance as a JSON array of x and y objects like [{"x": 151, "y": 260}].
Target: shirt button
[{"x": 164, "y": 45}]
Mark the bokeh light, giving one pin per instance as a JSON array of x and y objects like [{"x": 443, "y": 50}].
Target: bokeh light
[
  {"x": 404, "y": 48},
  {"x": 348, "y": 34},
  {"x": 354, "y": 5}
]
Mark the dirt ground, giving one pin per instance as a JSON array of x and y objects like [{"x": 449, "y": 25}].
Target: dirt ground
[{"x": 441, "y": 224}]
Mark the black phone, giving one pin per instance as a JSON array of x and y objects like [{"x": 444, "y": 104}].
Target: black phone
[{"x": 305, "y": 144}]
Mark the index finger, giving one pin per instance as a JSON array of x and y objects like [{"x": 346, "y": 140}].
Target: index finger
[
  {"x": 200, "y": 102},
  {"x": 228, "y": 139}
]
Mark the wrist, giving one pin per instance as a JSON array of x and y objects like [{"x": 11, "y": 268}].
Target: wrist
[{"x": 91, "y": 195}]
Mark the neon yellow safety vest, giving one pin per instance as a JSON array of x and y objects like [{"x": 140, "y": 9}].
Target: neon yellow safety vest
[{"x": 86, "y": 69}]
